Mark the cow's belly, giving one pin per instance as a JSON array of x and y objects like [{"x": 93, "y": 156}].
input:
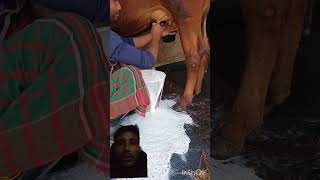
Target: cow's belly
[{"x": 136, "y": 16}]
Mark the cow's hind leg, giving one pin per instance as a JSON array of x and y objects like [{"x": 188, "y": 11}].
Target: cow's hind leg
[
  {"x": 280, "y": 85},
  {"x": 263, "y": 20},
  {"x": 204, "y": 53}
]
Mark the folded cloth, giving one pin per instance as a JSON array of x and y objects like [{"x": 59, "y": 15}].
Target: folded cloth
[{"x": 54, "y": 91}]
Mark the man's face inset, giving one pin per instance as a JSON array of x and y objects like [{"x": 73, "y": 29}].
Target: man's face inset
[
  {"x": 115, "y": 8},
  {"x": 127, "y": 149}
]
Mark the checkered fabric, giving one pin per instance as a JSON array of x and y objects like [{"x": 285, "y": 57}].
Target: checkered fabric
[
  {"x": 54, "y": 92},
  {"x": 127, "y": 92}
]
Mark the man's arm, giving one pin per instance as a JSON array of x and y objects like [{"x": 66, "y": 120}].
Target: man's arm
[
  {"x": 122, "y": 52},
  {"x": 142, "y": 41},
  {"x": 156, "y": 33}
]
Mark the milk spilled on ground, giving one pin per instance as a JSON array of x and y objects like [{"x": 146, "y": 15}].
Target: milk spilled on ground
[{"x": 162, "y": 133}]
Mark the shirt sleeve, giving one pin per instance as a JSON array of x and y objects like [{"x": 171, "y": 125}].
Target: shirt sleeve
[
  {"x": 122, "y": 52},
  {"x": 128, "y": 40}
]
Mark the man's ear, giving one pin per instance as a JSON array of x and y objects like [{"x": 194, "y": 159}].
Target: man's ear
[{"x": 140, "y": 149}]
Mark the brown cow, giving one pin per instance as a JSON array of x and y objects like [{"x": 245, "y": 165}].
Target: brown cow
[
  {"x": 273, "y": 32},
  {"x": 188, "y": 17}
]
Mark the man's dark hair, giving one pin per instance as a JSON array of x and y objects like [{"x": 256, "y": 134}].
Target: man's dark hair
[
  {"x": 139, "y": 168},
  {"x": 131, "y": 128}
]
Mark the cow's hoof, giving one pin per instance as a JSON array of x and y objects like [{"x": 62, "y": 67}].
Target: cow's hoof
[
  {"x": 177, "y": 107},
  {"x": 222, "y": 148},
  {"x": 197, "y": 92}
]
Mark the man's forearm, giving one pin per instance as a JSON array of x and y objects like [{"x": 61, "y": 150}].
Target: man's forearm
[
  {"x": 153, "y": 46},
  {"x": 142, "y": 41}
]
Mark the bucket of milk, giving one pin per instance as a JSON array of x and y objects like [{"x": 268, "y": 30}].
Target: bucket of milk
[{"x": 154, "y": 81}]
